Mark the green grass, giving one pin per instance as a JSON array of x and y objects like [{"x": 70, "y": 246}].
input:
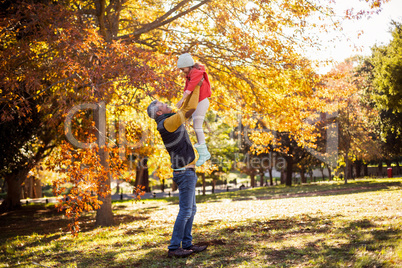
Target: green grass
[{"x": 320, "y": 225}]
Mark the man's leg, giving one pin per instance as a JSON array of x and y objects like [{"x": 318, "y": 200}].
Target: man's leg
[
  {"x": 188, "y": 238},
  {"x": 186, "y": 184}
]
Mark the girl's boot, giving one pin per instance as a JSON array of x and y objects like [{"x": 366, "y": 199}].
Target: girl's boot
[{"x": 203, "y": 153}]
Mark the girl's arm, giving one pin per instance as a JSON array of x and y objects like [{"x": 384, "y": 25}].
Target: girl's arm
[{"x": 195, "y": 77}]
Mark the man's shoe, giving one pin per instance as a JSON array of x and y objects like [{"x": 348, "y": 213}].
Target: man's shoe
[
  {"x": 179, "y": 253},
  {"x": 197, "y": 249}
]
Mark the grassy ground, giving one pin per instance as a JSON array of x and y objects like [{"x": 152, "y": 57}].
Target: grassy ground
[{"x": 321, "y": 225}]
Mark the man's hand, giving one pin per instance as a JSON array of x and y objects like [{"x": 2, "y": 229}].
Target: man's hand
[{"x": 180, "y": 103}]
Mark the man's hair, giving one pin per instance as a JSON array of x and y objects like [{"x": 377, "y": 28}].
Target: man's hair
[{"x": 152, "y": 109}]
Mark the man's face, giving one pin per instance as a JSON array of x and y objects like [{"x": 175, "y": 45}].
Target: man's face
[
  {"x": 185, "y": 70},
  {"x": 163, "y": 108}
]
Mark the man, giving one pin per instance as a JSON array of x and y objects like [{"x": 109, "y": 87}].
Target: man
[{"x": 182, "y": 157}]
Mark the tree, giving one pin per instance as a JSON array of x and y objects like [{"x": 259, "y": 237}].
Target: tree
[
  {"x": 385, "y": 66},
  {"x": 26, "y": 138},
  {"x": 386, "y": 70},
  {"x": 23, "y": 147},
  {"x": 51, "y": 62},
  {"x": 293, "y": 154},
  {"x": 356, "y": 117}
]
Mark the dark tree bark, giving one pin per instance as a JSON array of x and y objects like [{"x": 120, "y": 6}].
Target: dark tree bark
[
  {"x": 203, "y": 183},
  {"x": 13, "y": 198},
  {"x": 252, "y": 180},
  {"x": 271, "y": 181},
  {"x": 174, "y": 186},
  {"x": 302, "y": 175},
  {"x": 365, "y": 170},
  {"x": 358, "y": 168},
  {"x": 261, "y": 177},
  {"x": 142, "y": 174},
  {"x": 289, "y": 170},
  {"x": 329, "y": 173},
  {"x": 163, "y": 185},
  {"x": 347, "y": 167},
  {"x": 380, "y": 168}
]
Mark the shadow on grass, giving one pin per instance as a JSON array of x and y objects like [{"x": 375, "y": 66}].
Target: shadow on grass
[
  {"x": 285, "y": 244},
  {"x": 216, "y": 255},
  {"x": 46, "y": 220},
  {"x": 280, "y": 235},
  {"x": 39, "y": 219},
  {"x": 288, "y": 241}
]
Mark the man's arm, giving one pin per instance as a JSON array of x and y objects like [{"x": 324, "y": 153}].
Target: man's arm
[{"x": 190, "y": 104}]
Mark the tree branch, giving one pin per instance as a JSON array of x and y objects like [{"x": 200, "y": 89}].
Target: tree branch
[
  {"x": 170, "y": 12},
  {"x": 101, "y": 9},
  {"x": 160, "y": 22}
]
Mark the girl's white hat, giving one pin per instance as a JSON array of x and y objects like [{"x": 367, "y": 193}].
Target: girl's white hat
[{"x": 185, "y": 60}]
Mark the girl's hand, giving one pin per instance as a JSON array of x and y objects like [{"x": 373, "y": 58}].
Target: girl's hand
[{"x": 179, "y": 104}]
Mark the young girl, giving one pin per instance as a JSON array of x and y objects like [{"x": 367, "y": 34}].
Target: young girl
[{"x": 194, "y": 73}]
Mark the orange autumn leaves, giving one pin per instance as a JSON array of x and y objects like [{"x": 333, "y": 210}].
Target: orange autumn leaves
[{"x": 84, "y": 176}]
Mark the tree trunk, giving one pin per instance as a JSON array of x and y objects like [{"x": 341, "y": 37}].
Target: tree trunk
[
  {"x": 365, "y": 170},
  {"x": 347, "y": 168},
  {"x": 104, "y": 215},
  {"x": 142, "y": 176},
  {"x": 388, "y": 163},
  {"x": 145, "y": 174},
  {"x": 203, "y": 183},
  {"x": 358, "y": 167},
  {"x": 117, "y": 187},
  {"x": 380, "y": 169},
  {"x": 289, "y": 171},
  {"x": 329, "y": 173},
  {"x": 163, "y": 185},
  {"x": 261, "y": 178},
  {"x": 271, "y": 180},
  {"x": 3, "y": 187},
  {"x": 351, "y": 172},
  {"x": 302, "y": 176},
  {"x": 13, "y": 198},
  {"x": 138, "y": 175},
  {"x": 252, "y": 180},
  {"x": 283, "y": 177},
  {"x": 174, "y": 186}
]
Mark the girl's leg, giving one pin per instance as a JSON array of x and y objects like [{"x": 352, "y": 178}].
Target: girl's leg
[{"x": 198, "y": 120}]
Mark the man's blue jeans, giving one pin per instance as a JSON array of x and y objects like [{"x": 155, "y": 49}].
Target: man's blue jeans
[{"x": 185, "y": 181}]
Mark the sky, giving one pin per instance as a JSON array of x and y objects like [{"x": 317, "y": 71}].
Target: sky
[{"x": 375, "y": 32}]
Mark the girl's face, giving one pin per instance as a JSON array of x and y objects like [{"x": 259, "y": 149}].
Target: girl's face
[{"x": 185, "y": 70}]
